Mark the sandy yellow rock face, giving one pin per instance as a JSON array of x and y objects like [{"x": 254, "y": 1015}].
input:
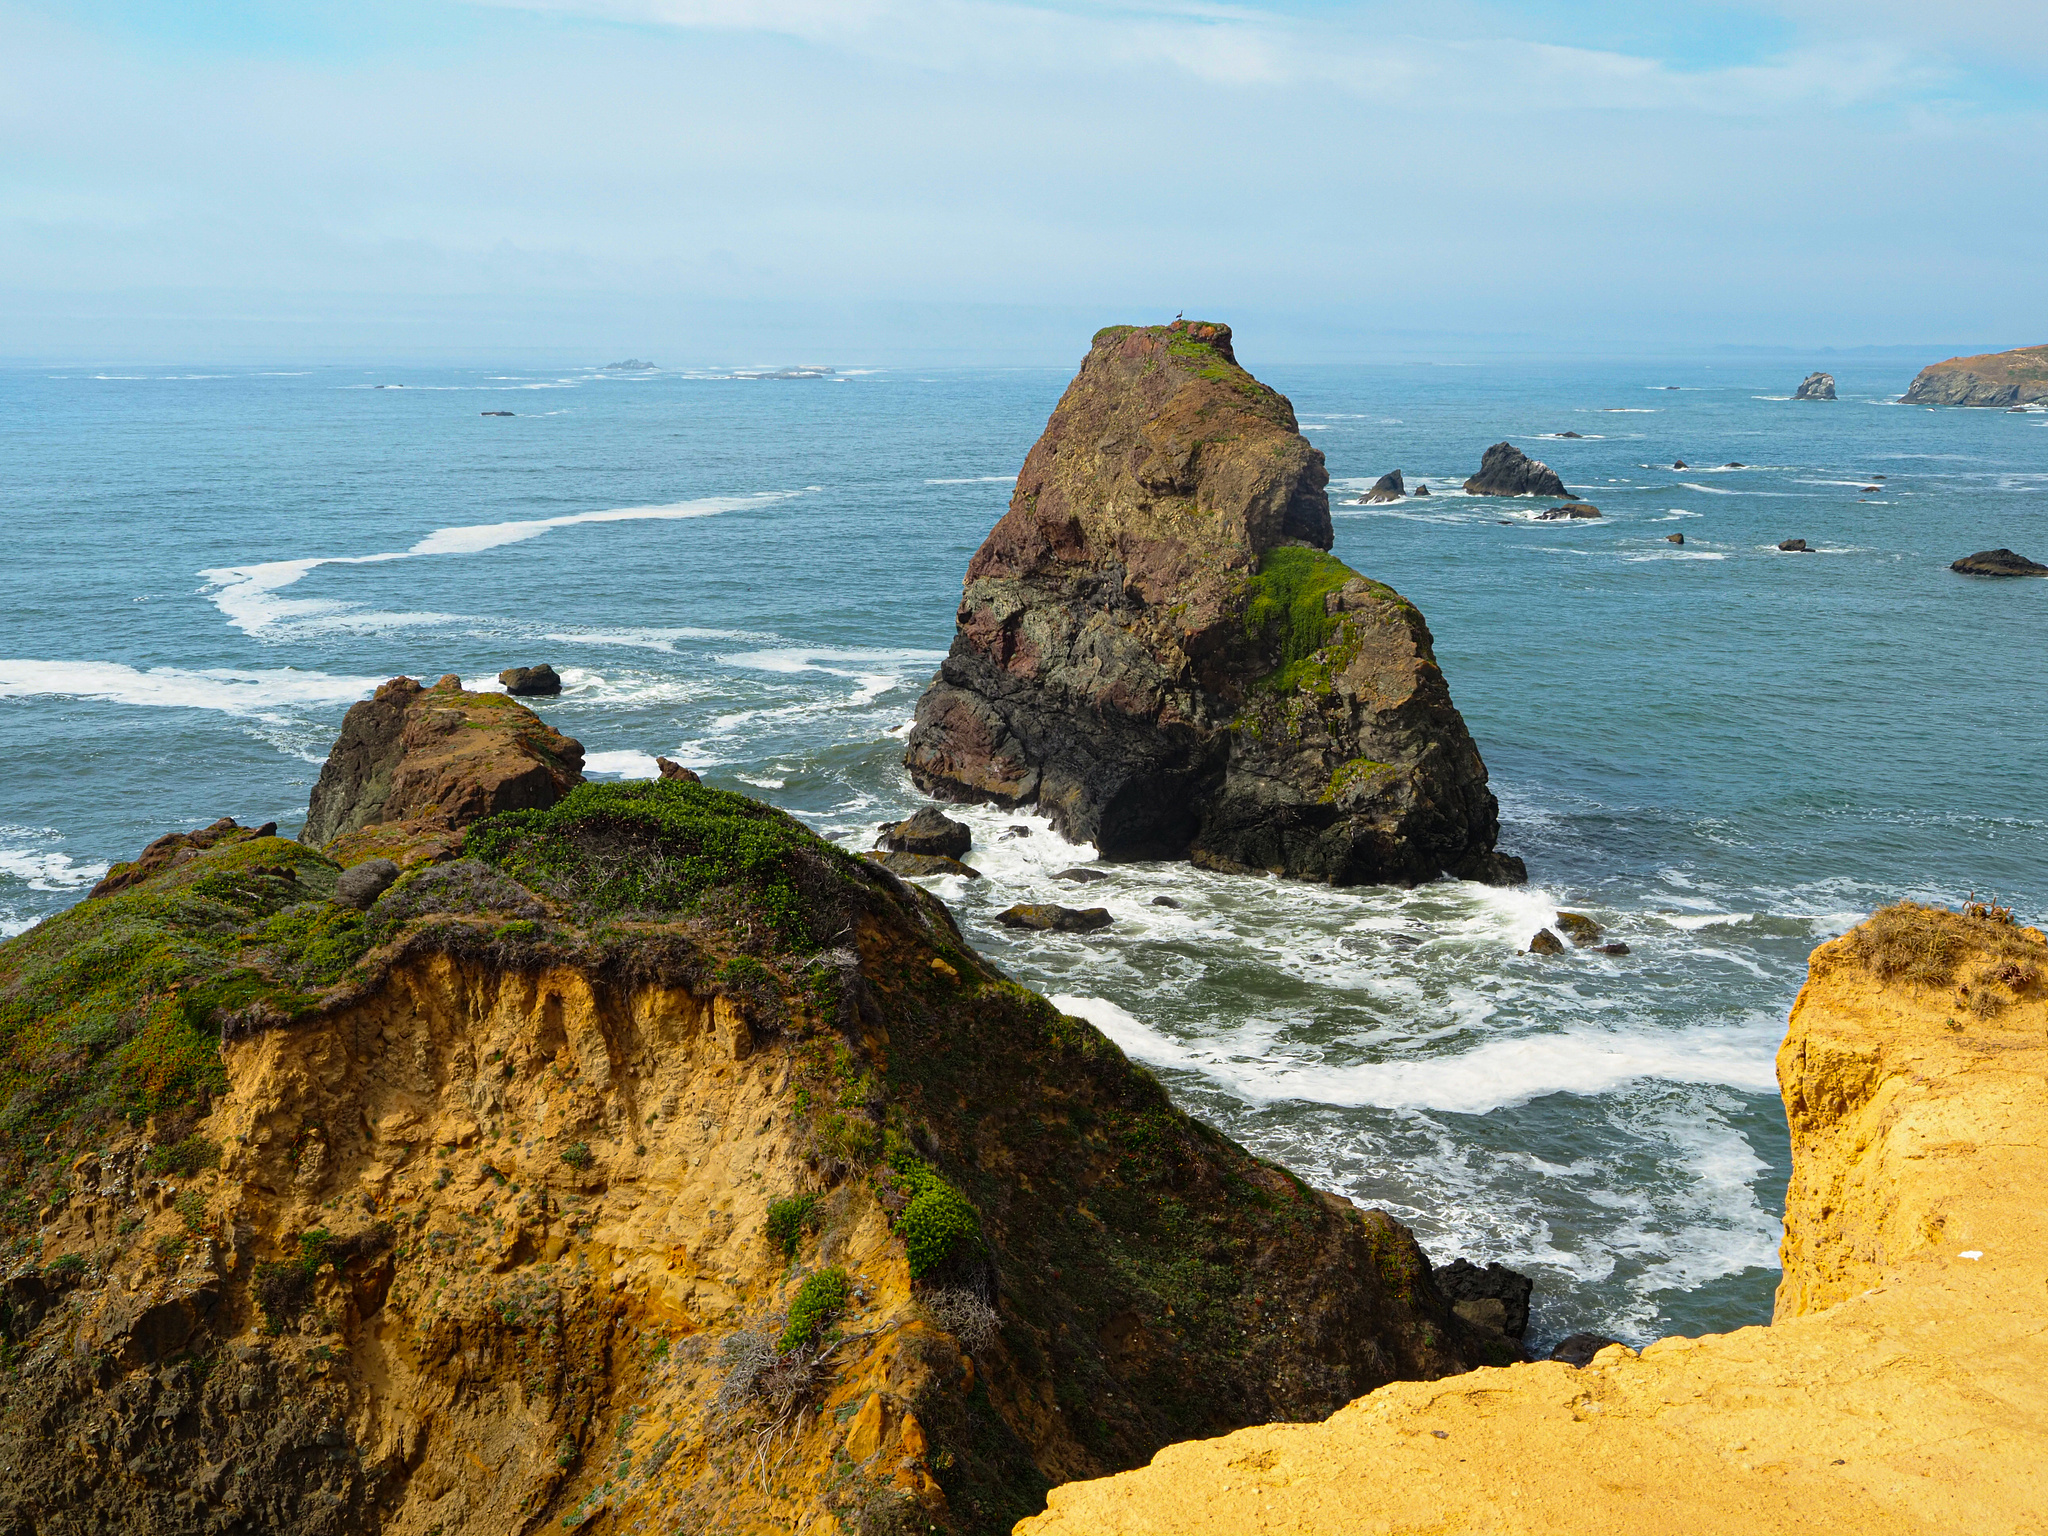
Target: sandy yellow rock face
[{"x": 1903, "y": 1386}]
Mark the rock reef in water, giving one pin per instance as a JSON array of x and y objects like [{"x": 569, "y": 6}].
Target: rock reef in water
[
  {"x": 1155, "y": 647},
  {"x": 1912, "y": 1321},
  {"x": 531, "y": 682},
  {"x": 1998, "y": 562},
  {"x": 2019, "y": 377},
  {"x": 1504, "y": 470},
  {"x": 1388, "y": 487},
  {"x": 1816, "y": 386},
  {"x": 616, "y": 1138}
]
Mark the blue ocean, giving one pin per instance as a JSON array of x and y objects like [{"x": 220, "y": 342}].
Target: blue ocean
[{"x": 1722, "y": 752}]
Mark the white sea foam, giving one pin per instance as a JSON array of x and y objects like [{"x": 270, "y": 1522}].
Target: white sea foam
[
  {"x": 247, "y": 594},
  {"x": 231, "y": 692},
  {"x": 1495, "y": 1075},
  {"x": 46, "y": 870},
  {"x": 626, "y": 764}
]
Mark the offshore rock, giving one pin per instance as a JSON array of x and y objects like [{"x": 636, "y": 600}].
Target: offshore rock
[
  {"x": 1674, "y": 538},
  {"x": 1998, "y": 562},
  {"x": 1422, "y": 490},
  {"x": 1154, "y": 647},
  {"x": 1047, "y": 918},
  {"x": 670, "y": 769},
  {"x": 2019, "y": 377},
  {"x": 1571, "y": 509},
  {"x": 916, "y": 866},
  {"x": 1505, "y": 470},
  {"x": 548, "y": 1191},
  {"x": 1817, "y": 386},
  {"x": 531, "y": 682},
  {"x": 1546, "y": 943},
  {"x": 427, "y": 761},
  {"x": 1911, "y": 1323},
  {"x": 1387, "y": 488},
  {"x": 929, "y": 831}
]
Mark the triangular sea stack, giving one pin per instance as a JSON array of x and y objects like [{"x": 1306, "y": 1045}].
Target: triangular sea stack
[{"x": 1157, "y": 649}]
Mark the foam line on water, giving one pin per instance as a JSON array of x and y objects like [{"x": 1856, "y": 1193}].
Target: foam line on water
[
  {"x": 247, "y": 594},
  {"x": 1500, "y": 1073},
  {"x": 231, "y": 692}
]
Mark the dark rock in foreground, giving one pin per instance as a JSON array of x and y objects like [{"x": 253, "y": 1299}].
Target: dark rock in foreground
[
  {"x": 1998, "y": 562},
  {"x": 1154, "y": 647},
  {"x": 930, "y": 831},
  {"x": 361, "y": 884},
  {"x": 1580, "y": 1348},
  {"x": 531, "y": 682},
  {"x": 2019, "y": 377},
  {"x": 1494, "y": 1297},
  {"x": 1387, "y": 488},
  {"x": 1054, "y": 919},
  {"x": 1817, "y": 386}
]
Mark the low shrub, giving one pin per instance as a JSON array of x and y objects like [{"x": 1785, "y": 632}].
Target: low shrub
[
  {"x": 819, "y": 1301},
  {"x": 790, "y": 1219}
]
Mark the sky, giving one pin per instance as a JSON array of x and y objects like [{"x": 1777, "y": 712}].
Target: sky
[{"x": 713, "y": 181}]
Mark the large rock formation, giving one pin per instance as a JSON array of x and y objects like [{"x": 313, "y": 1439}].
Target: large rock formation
[
  {"x": 420, "y": 763},
  {"x": 1155, "y": 648},
  {"x": 654, "y": 1164},
  {"x": 1816, "y": 386},
  {"x": 1504, "y": 470},
  {"x": 1902, "y": 1388},
  {"x": 2018, "y": 377}
]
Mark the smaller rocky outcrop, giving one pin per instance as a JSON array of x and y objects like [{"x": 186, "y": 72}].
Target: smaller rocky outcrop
[
  {"x": 1578, "y": 435},
  {"x": 1797, "y": 547},
  {"x": 1080, "y": 874},
  {"x": 1546, "y": 943},
  {"x": 1680, "y": 464},
  {"x": 918, "y": 865},
  {"x": 2018, "y": 377},
  {"x": 1818, "y": 386},
  {"x": 531, "y": 682},
  {"x": 1422, "y": 489},
  {"x": 1047, "y": 918},
  {"x": 1610, "y": 949},
  {"x": 630, "y": 365},
  {"x": 1735, "y": 464},
  {"x": 494, "y": 413},
  {"x": 1570, "y": 509},
  {"x": 1998, "y": 562},
  {"x": 1507, "y": 471},
  {"x": 170, "y": 849},
  {"x": 1387, "y": 488},
  {"x": 676, "y": 771},
  {"x": 1493, "y": 1297},
  {"x": 419, "y": 764},
  {"x": 1674, "y": 538},
  {"x": 930, "y": 831}
]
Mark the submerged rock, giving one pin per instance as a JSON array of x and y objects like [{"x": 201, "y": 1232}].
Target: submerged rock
[
  {"x": 1817, "y": 386},
  {"x": 531, "y": 682},
  {"x": 929, "y": 831},
  {"x": 1054, "y": 919},
  {"x": 1570, "y": 509},
  {"x": 1578, "y": 927},
  {"x": 1579, "y": 435},
  {"x": 1505, "y": 470},
  {"x": 1998, "y": 562},
  {"x": 1387, "y": 488},
  {"x": 1081, "y": 874},
  {"x": 2018, "y": 377},
  {"x": 1155, "y": 648}
]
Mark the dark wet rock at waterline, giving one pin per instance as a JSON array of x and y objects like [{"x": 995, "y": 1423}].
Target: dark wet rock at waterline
[
  {"x": 1610, "y": 949},
  {"x": 1546, "y": 943},
  {"x": 1492, "y": 1296},
  {"x": 675, "y": 771},
  {"x": 1578, "y": 927},
  {"x": 1998, "y": 562},
  {"x": 1674, "y": 538},
  {"x": 1422, "y": 489},
  {"x": 1680, "y": 464},
  {"x": 1580, "y": 1348},
  {"x": 919, "y": 865},
  {"x": 531, "y": 682},
  {"x": 1165, "y": 901},
  {"x": 1047, "y": 918},
  {"x": 1505, "y": 470},
  {"x": 1578, "y": 435},
  {"x": 1571, "y": 509},
  {"x": 1797, "y": 547},
  {"x": 1081, "y": 875},
  {"x": 929, "y": 831},
  {"x": 1212, "y": 687}
]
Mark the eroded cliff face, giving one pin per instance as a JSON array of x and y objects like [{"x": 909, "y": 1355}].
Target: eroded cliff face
[
  {"x": 1155, "y": 647},
  {"x": 1902, "y": 1388},
  {"x": 2010, "y": 378},
  {"x": 653, "y": 1161}
]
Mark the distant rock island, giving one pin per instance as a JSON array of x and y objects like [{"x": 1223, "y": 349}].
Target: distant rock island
[
  {"x": 630, "y": 365},
  {"x": 1818, "y": 386},
  {"x": 1156, "y": 648},
  {"x": 1505, "y": 470},
  {"x": 2018, "y": 377}
]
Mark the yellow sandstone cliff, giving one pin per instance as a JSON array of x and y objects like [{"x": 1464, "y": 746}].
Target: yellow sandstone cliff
[{"x": 1903, "y": 1386}]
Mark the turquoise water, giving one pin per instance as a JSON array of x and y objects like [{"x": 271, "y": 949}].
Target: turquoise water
[{"x": 1722, "y": 752}]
